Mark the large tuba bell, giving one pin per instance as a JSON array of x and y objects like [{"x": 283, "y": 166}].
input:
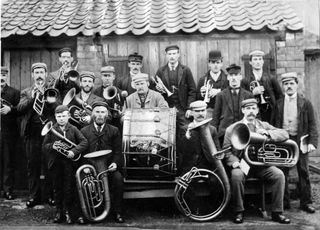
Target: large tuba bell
[
  {"x": 93, "y": 187},
  {"x": 260, "y": 151},
  {"x": 202, "y": 194}
]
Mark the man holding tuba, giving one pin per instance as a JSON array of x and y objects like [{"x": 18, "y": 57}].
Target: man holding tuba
[
  {"x": 238, "y": 167},
  {"x": 36, "y": 109},
  {"x": 61, "y": 167},
  {"x": 103, "y": 136},
  {"x": 295, "y": 114}
]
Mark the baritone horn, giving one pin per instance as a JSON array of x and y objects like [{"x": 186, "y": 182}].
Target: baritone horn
[
  {"x": 93, "y": 186},
  {"x": 260, "y": 151},
  {"x": 157, "y": 80},
  {"x": 62, "y": 146}
]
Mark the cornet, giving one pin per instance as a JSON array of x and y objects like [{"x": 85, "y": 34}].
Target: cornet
[
  {"x": 255, "y": 84},
  {"x": 208, "y": 88},
  {"x": 157, "y": 80}
]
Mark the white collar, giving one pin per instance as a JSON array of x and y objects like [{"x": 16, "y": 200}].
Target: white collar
[
  {"x": 174, "y": 66},
  {"x": 257, "y": 74},
  {"x": 215, "y": 76},
  {"x": 96, "y": 126},
  {"x": 287, "y": 97}
]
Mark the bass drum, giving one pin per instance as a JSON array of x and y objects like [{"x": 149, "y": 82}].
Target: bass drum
[
  {"x": 149, "y": 144},
  {"x": 200, "y": 194}
]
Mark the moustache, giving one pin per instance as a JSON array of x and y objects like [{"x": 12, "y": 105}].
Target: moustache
[{"x": 40, "y": 78}]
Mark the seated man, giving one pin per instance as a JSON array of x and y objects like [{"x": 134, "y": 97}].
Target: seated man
[
  {"x": 144, "y": 97},
  {"x": 271, "y": 174}
]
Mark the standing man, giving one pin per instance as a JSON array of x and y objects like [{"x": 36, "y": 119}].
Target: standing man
[
  {"x": 31, "y": 126},
  {"x": 295, "y": 114},
  {"x": 9, "y": 131},
  {"x": 144, "y": 97},
  {"x": 135, "y": 65},
  {"x": 102, "y": 136},
  {"x": 228, "y": 102},
  {"x": 215, "y": 78},
  {"x": 178, "y": 79},
  {"x": 271, "y": 174},
  {"x": 264, "y": 87}
]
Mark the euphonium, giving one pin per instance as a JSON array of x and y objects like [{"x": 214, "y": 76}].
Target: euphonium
[
  {"x": 260, "y": 151},
  {"x": 157, "y": 80},
  {"x": 215, "y": 180},
  {"x": 93, "y": 187},
  {"x": 62, "y": 146}
]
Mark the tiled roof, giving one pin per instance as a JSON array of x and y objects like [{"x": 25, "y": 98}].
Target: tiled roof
[{"x": 71, "y": 17}]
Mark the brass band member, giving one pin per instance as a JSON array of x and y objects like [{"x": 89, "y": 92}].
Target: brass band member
[
  {"x": 62, "y": 168},
  {"x": 213, "y": 81},
  {"x": 236, "y": 164},
  {"x": 264, "y": 87},
  {"x": 102, "y": 136},
  {"x": 228, "y": 102},
  {"x": 9, "y": 131},
  {"x": 135, "y": 65},
  {"x": 194, "y": 153},
  {"x": 31, "y": 126},
  {"x": 296, "y": 115},
  {"x": 144, "y": 97}
]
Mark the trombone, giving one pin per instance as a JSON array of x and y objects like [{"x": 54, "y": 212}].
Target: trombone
[{"x": 157, "y": 80}]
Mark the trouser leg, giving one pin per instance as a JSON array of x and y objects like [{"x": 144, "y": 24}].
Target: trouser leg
[
  {"x": 237, "y": 189},
  {"x": 304, "y": 180},
  {"x": 117, "y": 191}
]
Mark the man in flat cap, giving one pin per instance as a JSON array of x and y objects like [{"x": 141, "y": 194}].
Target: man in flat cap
[
  {"x": 195, "y": 153},
  {"x": 295, "y": 114},
  {"x": 9, "y": 131},
  {"x": 264, "y": 86},
  {"x": 237, "y": 166},
  {"x": 228, "y": 108},
  {"x": 135, "y": 65},
  {"x": 144, "y": 97},
  {"x": 31, "y": 125},
  {"x": 113, "y": 95},
  {"x": 103, "y": 136},
  {"x": 213, "y": 81},
  {"x": 178, "y": 80},
  {"x": 62, "y": 168}
]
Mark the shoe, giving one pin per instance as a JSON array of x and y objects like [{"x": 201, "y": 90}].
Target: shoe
[
  {"x": 32, "y": 202},
  {"x": 59, "y": 218},
  {"x": 68, "y": 218},
  {"x": 278, "y": 217},
  {"x": 308, "y": 208},
  {"x": 118, "y": 218},
  {"x": 238, "y": 218},
  {"x": 80, "y": 220},
  {"x": 51, "y": 201},
  {"x": 8, "y": 196}
]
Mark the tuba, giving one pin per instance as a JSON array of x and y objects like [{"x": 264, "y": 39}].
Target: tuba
[
  {"x": 93, "y": 187},
  {"x": 259, "y": 151},
  {"x": 202, "y": 194},
  {"x": 62, "y": 146}
]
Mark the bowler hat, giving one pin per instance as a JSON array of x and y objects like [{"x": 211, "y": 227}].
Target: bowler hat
[{"x": 215, "y": 55}]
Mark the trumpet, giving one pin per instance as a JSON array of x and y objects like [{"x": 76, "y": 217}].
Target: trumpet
[
  {"x": 62, "y": 146},
  {"x": 157, "y": 80},
  {"x": 42, "y": 96},
  {"x": 255, "y": 84}
]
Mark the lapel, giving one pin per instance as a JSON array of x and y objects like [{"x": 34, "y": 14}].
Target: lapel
[
  {"x": 281, "y": 110},
  {"x": 148, "y": 99},
  {"x": 241, "y": 97},
  {"x": 136, "y": 99},
  {"x": 229, "y": 98},
  {"x": 166, "y": 76},
  {"x": 180, "y": 73},
  {"x": 95, "y": 132}
]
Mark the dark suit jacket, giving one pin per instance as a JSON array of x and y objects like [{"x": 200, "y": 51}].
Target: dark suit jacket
[
  {"x": 221, "y": 83},
  {"x": 186, "y": 85},
  {"x": 72, "y": 134},
  {"x": 306, "y": 119},
  {"x": 110, "y": 139},
  {"x": 9, "y": 121},
  {"x": 124, "y": 83},
  {"x": 223, "y": 114},
  {"x": 194, "y": 151}
]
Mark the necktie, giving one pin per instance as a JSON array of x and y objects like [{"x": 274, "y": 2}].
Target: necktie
[
  {"x": 99, "y": 128},
  {"x": 172, "y": 67}
]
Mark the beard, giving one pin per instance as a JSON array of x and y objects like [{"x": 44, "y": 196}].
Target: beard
[{"x": 87, "y": 89}]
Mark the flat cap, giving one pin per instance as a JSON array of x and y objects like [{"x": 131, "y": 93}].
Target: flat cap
[
  {"x": 256, "y": 53},
  {"x": 61, "y": 109},
  {"x": 215, "y": 55},
  {"x": 39, "y": 65},
  {"x": 198, "y": 105},
  {"x": 233, "y": 69},
  {"x": 172, "y": 47},
  {"x": 140, "y": 77},
  {"x": 65, "y": 49},
  {"x": 87, "y": 74},
  {"x": 248, "y": 102},
  {"x": 107, "y": 69},
  {"x": 4, "y": 69},
  {"x": 99, "y": 103},
  {"x": 289, "y": 76},
  {"x": 135, "y": 57}
]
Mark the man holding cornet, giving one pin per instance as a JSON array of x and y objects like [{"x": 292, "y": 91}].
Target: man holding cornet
[
  {"x": 37, "y": 107},
  {"x": 240, "y": 169},
  {"x": 60, "y": 163}
]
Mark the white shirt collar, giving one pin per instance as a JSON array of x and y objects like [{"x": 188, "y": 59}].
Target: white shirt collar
[
  {"x": 287, "y": 97},
  {"x": 257, "y": 74},
  {"x": 215, "y": 76},
  {"x": 96, "y": 126},
  {"x": 174, "y": 67}
]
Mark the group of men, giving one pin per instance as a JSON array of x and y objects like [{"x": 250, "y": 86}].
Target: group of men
[{"x": 228, "y": 98}]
